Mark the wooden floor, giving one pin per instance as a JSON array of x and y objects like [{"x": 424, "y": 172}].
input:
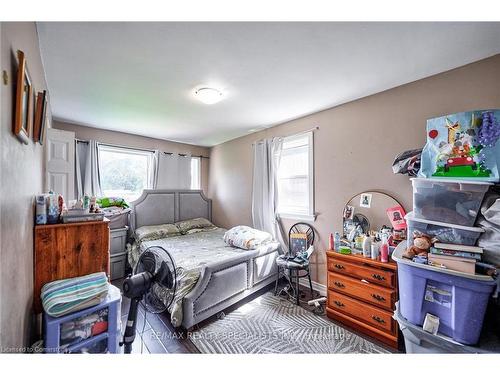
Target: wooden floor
[{"x": 155, "y": 335}]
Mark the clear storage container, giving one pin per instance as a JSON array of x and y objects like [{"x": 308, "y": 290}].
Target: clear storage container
[
  {"x": 444, "y": 232},
  {"x": 451, "y": 201}
]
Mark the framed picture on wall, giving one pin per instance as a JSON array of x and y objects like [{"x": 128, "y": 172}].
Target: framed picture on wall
[
  {"x": 396, "y": 216},
  {"x": 40, "y": 116},
  {"x": 365, "y": 200},
  {"x": 23, "y": 117},
  {"x": 348, "y": 212}
]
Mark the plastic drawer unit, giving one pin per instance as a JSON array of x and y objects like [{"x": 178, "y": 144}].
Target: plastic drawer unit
[{"x": 93, "y": 330}]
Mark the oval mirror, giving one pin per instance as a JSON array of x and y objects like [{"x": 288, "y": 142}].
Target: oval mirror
[{"x": 371, "y": 211}]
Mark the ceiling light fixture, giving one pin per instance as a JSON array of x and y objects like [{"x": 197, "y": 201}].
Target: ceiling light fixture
[{"x": 209, "y": 95}]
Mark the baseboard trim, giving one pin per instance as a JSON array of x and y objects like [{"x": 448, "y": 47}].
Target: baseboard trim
[{"x": 320, "y": 288}]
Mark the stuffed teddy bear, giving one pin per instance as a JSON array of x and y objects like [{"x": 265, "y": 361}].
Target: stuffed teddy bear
[{"x": 421, "y": 245}]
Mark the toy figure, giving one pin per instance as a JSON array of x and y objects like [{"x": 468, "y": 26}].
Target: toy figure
[{"x": 421, "y": 245}]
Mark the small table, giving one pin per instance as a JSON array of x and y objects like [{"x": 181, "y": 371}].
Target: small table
[{"x": 286, "y": 264}]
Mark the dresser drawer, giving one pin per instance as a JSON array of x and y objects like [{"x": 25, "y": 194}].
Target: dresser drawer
[
  {"x": 373, "y": 294},
  {"x": 368, "y": 273},
  {"x": 371, "y": 315}
]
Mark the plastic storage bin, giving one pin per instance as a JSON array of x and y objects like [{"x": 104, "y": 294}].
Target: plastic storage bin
[
  {"x": 77, "y": 333},
  {"x": 451, "y": 201},
  {"x": 118, "y": 240},
  {"x": 458, "y": 299},
  {"x": 444, "y": 232},
  {"x": 418, "y": 341}
]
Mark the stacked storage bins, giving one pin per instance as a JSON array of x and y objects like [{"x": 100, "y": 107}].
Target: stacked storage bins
[
  {"x": 118, "y": 258},
  {"x": 118, "y": 224},
  {"x": 446, "y": 210}
]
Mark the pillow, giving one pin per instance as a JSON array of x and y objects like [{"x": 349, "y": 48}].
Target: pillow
[
  {"x": 187, "y": 226},
  {"x": 246, "y": 238},
  {"x": 156, "y": 232}
]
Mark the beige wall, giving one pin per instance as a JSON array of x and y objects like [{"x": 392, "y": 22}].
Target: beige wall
[
  {"x": 124, "y": 139},
  {"x": 21, "y": 178},
  {"x": 354, "y": 147}
]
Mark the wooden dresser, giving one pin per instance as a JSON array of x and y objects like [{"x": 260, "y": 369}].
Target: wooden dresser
[
  {"x": 69, "y": 250},
  {"x": 362, "y": 293}
]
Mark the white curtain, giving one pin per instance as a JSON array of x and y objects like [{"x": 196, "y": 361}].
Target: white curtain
[
  {"x": 173, "y": 171},
  {"x": 153, "y": 170},
  {"x": 267, "y": 154},
  {"x": 87, "y": 169}
]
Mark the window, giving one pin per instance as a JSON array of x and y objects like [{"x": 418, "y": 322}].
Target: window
[
  {"x": 295, "y": 178},
  {"x": 196, "y": 173},
  {"x": 124, "y": 172}
]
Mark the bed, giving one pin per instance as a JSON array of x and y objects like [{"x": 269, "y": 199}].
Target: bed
[{"x": 217, "y": 275}]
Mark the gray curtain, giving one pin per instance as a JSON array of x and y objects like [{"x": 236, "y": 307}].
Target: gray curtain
[
  {"x": 87, "y": 169},
  {"x": 267, "y": 154},
  {"x": 172, "y": 171}
]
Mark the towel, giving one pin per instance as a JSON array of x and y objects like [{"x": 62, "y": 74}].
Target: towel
[{"x": 62, "y": 297}]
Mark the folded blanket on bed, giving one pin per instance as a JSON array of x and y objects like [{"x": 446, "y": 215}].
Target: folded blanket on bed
[
  {"x": 62, "y": 297},
  {"x": 246, "y": 238}
]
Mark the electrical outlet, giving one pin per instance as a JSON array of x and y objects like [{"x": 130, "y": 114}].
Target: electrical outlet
[{"x": 5, "y": 77}]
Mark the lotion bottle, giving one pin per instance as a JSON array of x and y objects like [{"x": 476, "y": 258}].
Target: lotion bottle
[{"x": 384, "y": 249}]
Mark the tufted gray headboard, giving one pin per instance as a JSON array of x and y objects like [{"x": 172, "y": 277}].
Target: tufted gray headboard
[{"x": 156, "y": 207}]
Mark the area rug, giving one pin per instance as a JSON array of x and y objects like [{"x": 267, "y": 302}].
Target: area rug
[{"x": 271, "y": 324}]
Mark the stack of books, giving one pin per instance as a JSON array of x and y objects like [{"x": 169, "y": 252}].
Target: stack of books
[{"x": 455, "y": 257}]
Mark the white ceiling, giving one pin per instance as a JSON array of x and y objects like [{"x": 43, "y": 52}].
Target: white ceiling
[{"x": 138, "y": 77}]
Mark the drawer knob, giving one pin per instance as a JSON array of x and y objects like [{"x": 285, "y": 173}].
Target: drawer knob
[
  {"x": 338, "y": 303},
  {"x": 378, "y": 319},
  {"x": 339, "y": 284},
  {"x": 339, "y": 266},
  {"x": 378, "y": 298},
  {"x": 378, "y": 277}
]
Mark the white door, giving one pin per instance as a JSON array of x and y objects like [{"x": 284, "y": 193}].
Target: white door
[{"x": 61, "y": 162}]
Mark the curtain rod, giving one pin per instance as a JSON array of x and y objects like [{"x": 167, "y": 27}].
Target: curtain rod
[
  {"x": 294, "y": 134},
  {"x": 141, "y": 149}
]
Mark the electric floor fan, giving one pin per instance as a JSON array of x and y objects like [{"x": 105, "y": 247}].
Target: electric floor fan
[{"x": 154, "y": 282}]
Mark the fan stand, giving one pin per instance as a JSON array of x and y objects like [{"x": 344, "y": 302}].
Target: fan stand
[
  {"x": 131, "y": 325},
  {"x": 137, "y": 286}
]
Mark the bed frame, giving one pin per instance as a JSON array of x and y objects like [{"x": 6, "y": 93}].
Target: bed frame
[{"x": 221, "y": 284}]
